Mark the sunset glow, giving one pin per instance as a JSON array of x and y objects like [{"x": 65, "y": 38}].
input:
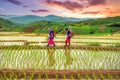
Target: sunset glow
[{"x": 65, "y": 8}]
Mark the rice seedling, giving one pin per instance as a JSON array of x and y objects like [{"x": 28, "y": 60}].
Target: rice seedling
[{"x": 50, "y": 58}]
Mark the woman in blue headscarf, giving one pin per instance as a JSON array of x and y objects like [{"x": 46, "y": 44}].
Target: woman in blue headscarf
[
  {"x": 67, "y": 41},
  {"x": 51, "y": 37}
]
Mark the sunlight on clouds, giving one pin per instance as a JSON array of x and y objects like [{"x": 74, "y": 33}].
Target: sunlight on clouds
[{"x": 66, "y": 8}]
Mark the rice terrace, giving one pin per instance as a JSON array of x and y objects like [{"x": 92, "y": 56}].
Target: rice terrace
[
  {"x": 59, "y": 40},
  {"x": 27, "y": 57}
]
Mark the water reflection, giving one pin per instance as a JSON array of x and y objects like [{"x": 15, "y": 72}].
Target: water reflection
[
  {"x": 51, "y": 58},
  {"x": 69, "y": 58}
]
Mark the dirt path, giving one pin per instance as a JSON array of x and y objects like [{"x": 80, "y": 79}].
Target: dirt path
[{"x": 53, "y": 74}]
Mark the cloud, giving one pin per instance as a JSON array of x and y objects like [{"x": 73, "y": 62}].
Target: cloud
[
  {"x": 69, "y": 8},
  {"x": 91, "y": 12},
  {"x": 96, "y": 2},
  {"x": 2, "y": 9},
  {"x": 66, "y": 4},
  {"x": 111, "y": 12},
  {"x": 25, "y": 6},
  {"x": 106, "y": 12},
  {"x": 40, "y": 11},
  {"x": 15, "y": 2}
]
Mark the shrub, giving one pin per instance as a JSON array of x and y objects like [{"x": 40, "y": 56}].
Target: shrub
[
  {"x": 94, "y": 44},
  {"x": 117, "y": 45}
]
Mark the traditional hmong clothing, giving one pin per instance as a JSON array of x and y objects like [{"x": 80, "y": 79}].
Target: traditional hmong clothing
[
  {"x": 51, "y": 38},
  {"x": 68, "y": 36}
]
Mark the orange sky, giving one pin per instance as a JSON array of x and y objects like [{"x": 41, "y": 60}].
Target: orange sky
[{"x": 66, "y": 8}]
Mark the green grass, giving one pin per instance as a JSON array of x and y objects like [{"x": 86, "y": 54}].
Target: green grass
[{"x": 80, "y": 30}]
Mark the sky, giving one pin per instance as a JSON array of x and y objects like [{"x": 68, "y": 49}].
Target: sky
[{"x": 64, "y": 8}]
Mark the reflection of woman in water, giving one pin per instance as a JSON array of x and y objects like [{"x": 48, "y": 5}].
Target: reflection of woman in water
[
  {"x": 51, "y": 38},
  {"x": 69, "y": 59},
  {"x": 51, "y": 57}
]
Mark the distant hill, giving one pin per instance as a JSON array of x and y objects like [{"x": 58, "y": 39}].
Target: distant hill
[
  {"x": 7, "y": 16},
  {"x": 24, "y": 19},
  {"x": 32, "y": 18},
  {"x": 62, "y": 19},
  {"x": 7, "y": 25},
  {"x": 79, "y": 26},
  {"x": 43, "y": 26},
  {"x": 93, "y": 26},
  {"x": 101, "y": 21}
]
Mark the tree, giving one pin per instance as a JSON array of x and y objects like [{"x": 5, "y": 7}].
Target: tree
[{"x": 37, "y": 31}]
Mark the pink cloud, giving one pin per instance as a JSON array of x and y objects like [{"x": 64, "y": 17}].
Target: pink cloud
[
  {"x": 96, "y": 2},
  {"x": 91, "y": 12},
  {"x": 66, "y": 4},
  {"x": 40, "y": 11}
]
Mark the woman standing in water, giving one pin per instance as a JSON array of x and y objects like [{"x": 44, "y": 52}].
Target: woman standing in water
[
  {"x": 51, "y": 37},
  {"x": 69, "y": 35}
]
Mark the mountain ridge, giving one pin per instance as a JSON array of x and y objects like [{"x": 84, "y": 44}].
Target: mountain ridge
[{"x": 26, "y": 19}]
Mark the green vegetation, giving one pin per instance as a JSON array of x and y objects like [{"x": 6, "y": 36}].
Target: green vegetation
[
  {"x": 98, "y": 26},
  {"x": 37, "y": 31},
  {"x": 94, "y": 44},
  {"x": 43, "y": 26},
  {"x": 8, "y": 26},
  {"x": 94, "y": 26},
  {"x": 58, "y": 59},
  {"x": 24, "y": 19},
  {"x": 29, "y": 62},
  {"x": 117, "y": 45}
]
